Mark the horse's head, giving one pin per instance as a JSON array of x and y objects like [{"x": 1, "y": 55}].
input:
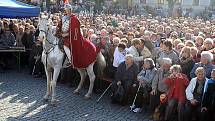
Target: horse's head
[{"x": 45, "y": 25}]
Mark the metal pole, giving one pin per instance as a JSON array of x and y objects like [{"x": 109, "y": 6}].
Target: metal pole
[
  {"x": 135, "y": 97},
  {"x": 103, "y": 93}
]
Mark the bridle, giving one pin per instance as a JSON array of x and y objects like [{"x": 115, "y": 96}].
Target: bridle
[
  {"x": 47, "y": 51},
  {"x": 46, "y": 33}
]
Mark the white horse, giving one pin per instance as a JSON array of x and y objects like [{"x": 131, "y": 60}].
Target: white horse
[{"x": 52, "y": 58}]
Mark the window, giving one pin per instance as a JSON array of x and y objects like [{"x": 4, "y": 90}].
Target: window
[
  {"x": 213, "y": 2},
  {"x": 143, "y": 1},
  {"x": 160, "y": 1},
  {"x": 196, "y": 2},
  {"x": 178, "y": 2}
]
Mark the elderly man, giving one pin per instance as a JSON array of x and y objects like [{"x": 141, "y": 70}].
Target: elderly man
[
  {"x": 205, "y": 62},
  {"x": 126, "y": 77},
  {"x": 194, "y": 95},
  {"x": 158, "y": 84}
]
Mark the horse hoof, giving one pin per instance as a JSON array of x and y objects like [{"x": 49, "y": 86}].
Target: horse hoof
[
  {"x": 87, "y": 97},
  {"x": 45, "y": 100},
  {"x": 54, "y": 103},
  {"x": 76, "y": 92}
]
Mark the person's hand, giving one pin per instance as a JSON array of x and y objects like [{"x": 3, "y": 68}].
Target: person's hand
[
  {"x": 172, "y": 76},
  {"x": 204, "y": 109},
  {"x": 37, "y": 57},
  {"x": 141, "y": 81},
  {"x": 119, "y": 83},
  {"x": 134, "y": 85},
  {"x": 193, "y": 101},
  {"x": 138, "y": 78},
  {"x": 154, "y": 92},
  {"x": 65, "y": 34}
]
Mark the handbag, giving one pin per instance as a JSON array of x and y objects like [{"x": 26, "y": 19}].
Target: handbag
[{"x": 119, "y": 94}]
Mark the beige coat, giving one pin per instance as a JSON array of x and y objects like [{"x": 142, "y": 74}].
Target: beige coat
[{"x": 146, "y": 53}]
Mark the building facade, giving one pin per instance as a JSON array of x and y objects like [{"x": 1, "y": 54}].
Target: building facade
[{"x": 198, "y": 5}]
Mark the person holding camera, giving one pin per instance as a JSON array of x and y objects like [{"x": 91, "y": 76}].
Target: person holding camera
[
  {"x": 177, "y": 83},
  {"x": 194, "y": 93}
]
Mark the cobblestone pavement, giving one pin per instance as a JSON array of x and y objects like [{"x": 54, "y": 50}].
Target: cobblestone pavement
[{"x": 21, "y": 100}]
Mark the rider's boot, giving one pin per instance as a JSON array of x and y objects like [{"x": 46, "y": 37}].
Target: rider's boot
[{"x": 67, "y": 51}]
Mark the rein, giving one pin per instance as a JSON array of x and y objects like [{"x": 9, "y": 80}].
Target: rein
[{"x": 50, "y": 49}]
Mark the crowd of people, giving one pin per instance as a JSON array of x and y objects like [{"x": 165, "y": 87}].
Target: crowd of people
[{"x": 163, "y": 65}]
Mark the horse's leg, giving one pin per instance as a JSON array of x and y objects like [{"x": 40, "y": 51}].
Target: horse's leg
[
  {"x": 83, "y": 75},
  {"x": 92, "y": 77},
  {"x": 53, "y": 83},
  {"x": 48, "y": 76}
]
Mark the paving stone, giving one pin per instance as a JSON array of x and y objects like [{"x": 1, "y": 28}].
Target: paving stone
[{"x": 21, "y": 100}]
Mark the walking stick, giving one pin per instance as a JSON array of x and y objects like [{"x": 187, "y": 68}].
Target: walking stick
[
  {"x": 133, "y": 105},
  {"x": 103, "y": 93},
  {"x": 35, "y": 65}
]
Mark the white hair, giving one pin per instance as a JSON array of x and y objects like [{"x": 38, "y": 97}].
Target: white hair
[
  {"x": 167, "y": 61},
  {"x": 116, "y": 39},
  {"x": 207, "y": 55},
  {"x": 207, "y": 40},
  {"x": 130, "y": 56},
  {"x": 91, "y": 30}
]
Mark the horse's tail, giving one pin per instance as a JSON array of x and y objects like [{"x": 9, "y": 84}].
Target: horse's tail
[{"x": 101, "y": 64}]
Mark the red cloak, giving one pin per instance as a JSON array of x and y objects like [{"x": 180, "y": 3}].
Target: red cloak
[{"x": 83, "y": 51}]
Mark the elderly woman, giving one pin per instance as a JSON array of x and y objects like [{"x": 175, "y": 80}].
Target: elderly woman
[
  {"x": 207, "y": 44},
  {"x": 126, "y": 77},
  {"x": 145, "y": 78},
  {"x": 177, "y": 83},
  {"x": 205, "y": 62},
  {"x": 194, "y": 93},
  {"x": 186, "y": 61},
  {"x": 158, "y": 84},
  {"x": 168, "y": 52}
]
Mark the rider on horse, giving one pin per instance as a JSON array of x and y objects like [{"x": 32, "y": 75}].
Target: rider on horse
[{"x": 80, "y": 52}]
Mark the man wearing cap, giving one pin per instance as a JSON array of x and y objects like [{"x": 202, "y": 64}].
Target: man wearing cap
[{"x": 80, "y": 52}]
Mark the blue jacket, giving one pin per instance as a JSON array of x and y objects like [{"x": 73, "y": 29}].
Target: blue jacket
[{"x": 209, "y": 94}]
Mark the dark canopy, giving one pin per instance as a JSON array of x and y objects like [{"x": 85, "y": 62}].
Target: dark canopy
[{"x": 15, "y": 9}]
